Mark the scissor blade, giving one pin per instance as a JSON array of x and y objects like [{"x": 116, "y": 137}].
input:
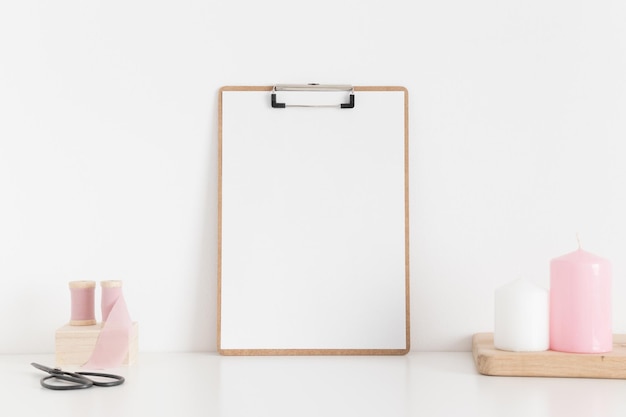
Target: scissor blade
[{"x": 45, "y": 368}]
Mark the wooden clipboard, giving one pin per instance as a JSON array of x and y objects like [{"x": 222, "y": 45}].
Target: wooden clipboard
[{"x": 313, "y": 227}]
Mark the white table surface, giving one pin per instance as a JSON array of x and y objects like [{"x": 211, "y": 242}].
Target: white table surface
[{"x": 206, "y": 384}]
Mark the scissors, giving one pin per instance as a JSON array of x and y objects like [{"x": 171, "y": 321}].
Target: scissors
[{"x": 76, "y": 380}]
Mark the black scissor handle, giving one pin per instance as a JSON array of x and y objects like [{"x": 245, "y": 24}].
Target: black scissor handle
[
  {"x": 77, "y": 380},
  {"x": 115, "y": 379},
  {"x": 74, "y": 382}
]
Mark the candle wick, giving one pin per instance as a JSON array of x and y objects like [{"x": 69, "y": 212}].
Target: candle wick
[{"x": 578, "y": 239}]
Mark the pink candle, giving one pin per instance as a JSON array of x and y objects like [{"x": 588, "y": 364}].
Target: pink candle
[{"x": 580, "y": 303}]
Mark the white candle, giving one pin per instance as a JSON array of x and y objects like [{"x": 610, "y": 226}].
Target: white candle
[{"x": 522, "y": 317}]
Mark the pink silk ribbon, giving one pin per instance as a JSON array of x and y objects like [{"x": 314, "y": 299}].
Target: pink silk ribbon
[{"x": 112, "y": 346}]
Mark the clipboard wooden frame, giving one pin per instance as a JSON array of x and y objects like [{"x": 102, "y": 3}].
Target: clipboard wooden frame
[{"x": 314, "y": 351}]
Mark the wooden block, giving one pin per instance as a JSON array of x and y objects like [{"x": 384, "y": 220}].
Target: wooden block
[
  {"x": 74, "y": 344},
  {"x": 492, "y": 361}
]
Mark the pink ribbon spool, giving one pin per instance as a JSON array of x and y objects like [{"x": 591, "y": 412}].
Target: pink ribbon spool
[
  {"x": 82, "y": 293},
  {"x": 111, "y": 292}
]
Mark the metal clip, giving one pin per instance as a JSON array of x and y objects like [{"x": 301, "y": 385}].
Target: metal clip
[{"x": 314, "y": 88}]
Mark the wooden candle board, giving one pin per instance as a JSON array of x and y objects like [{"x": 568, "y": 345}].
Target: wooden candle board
[{"x": 495, "y": 362}]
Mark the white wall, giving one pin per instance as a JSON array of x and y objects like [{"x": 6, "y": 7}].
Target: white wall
[{"x": 108, "y": 146}]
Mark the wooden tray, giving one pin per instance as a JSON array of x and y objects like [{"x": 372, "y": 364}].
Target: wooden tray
[{"x": 492, "y": 361}]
